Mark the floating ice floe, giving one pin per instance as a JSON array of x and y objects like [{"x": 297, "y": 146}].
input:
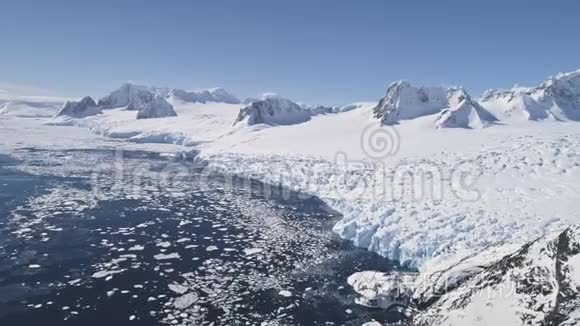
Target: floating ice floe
[
  {"x": 185, "y": 300},
  {"x": 174, "y": 255},
  {"x": 252, "y": 251},
  {"x": 102, "y": 274},
  {"x": 382, "y": 290},
  {"x": 285, "y": 293},
  {"x": 180, "y": 289}
]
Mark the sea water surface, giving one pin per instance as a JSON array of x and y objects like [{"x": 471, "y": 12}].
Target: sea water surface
[{"x": 97, "y": 237}]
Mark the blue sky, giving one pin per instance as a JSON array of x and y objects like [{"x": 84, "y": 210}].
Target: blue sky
[{"x": 317, "y": 51}]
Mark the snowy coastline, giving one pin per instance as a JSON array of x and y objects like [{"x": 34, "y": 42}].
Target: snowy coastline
[{"x": 411, "y": 191}]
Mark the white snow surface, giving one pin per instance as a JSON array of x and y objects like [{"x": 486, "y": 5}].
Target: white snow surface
[{"x": 30, "y": 106}]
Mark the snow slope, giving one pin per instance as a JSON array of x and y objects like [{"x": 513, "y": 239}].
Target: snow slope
[
  {"x": 30, "y": 106},
  {"x": 195, "y": 123},
  {"x": 557, "y": 98},
  {"x": 463, "y": 112},
  {"x": 535, "y": 284}
]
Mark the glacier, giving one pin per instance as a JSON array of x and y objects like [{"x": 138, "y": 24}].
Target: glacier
[{"x": 465, "y": 185}]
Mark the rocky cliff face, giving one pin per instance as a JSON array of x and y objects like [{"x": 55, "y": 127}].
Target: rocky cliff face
[{"x": 535, "y": 284}]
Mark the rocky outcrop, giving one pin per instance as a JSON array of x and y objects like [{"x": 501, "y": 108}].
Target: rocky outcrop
[
  {"x": 83, "y": 108},
  {"x": 272, "y": 110},
  {"x": 158, "y": 107},
  {"x": 535, "y": 284}
]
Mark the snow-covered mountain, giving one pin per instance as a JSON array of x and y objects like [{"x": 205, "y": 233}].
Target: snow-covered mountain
[
  {"x": 134, "y": 97},
  {"x": 463, "y": 112},
  {"x": 131, "y": 96},
  {"x": 557, "y": 98},
  {"x": 535, "y": 284},
  {"x": 455, "y": 107},
  {"x": 350, "y": 107},
  {"x": 319, "y": 109},
  {"x": 218, "y": 95},
  {"x": 404, "y": 101},
  {"x": 272, "y": 110},
  {"x": 158, "y": 107},
  {"x": 83, "y": 108}
]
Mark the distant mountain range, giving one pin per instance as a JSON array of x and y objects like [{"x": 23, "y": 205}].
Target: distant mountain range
[{"x": 556, "y": 99}]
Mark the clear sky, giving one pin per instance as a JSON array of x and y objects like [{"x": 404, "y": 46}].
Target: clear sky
[{"x": 315, "y": 51}]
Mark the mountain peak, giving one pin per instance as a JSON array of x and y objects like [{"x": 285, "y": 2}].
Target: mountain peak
[
  {"x": 557, "y": 98},
  {"x": 216, "y": 94},
  {"x": 129, "y": 95},
  {"x": 273, "y": 110},
  {"x": 404, "y": 101},
  {"x": 158, "y": 107},
  {"x": 83, "y": 108}
]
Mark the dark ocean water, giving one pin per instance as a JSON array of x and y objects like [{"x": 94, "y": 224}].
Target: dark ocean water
[{"x": 95, "y": 238}]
